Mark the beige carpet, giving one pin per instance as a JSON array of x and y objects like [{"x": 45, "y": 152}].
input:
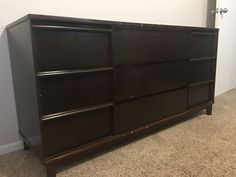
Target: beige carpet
[{"x": 203, "y": 146}]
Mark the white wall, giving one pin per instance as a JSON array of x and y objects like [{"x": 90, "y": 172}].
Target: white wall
[{"x": 173, "y": 12}]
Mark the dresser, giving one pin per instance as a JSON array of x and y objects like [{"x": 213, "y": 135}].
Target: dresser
[{"x": 83, "y": 86}]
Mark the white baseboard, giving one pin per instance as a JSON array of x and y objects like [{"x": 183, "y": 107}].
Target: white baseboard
[{"x": 7, "y": 148}]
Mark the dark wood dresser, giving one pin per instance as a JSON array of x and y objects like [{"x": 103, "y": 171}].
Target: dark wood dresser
[{"x": 82, "y": 86}]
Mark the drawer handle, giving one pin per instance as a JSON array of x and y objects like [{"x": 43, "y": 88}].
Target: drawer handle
[
  {"x": 72, "y": 28},
  {"x": 75, "y": 111},
  {"x": 74, "y": 71}
]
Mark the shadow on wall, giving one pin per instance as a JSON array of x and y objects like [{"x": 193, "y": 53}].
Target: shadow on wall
[
  {"x": 4, "y": 51},
  {"x": 4, "y": 59},
  {"x": 8, "y": 120},
  {"x": 210, "y": 18}
]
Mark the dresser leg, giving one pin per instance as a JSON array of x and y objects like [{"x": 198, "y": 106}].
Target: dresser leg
[
  {"x": 26, "y": 146},
  {"x": 51, "y": 171},
  {"x": 209, "y": 110}
]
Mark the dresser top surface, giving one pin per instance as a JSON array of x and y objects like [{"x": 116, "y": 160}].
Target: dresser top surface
[{"x": 73, "y": 20}]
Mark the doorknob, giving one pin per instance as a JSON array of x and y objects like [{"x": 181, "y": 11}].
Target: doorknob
[
  {"x": 220, "y": 10},
  {"x": 223, "y": 10}
]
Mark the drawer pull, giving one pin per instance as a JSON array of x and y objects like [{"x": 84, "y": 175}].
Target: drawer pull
[
  {"x": 71, "y": 28},
  {"x": 204, "y": 33},
  {"x": 75, "y": 111},
  {"x": 74, "y": 71},
  {"x": 201, "y": 83},
  {"x": 203, "y": 58}
]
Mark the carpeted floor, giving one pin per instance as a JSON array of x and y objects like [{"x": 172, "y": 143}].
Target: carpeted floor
[{"x": 204, "y": 146}]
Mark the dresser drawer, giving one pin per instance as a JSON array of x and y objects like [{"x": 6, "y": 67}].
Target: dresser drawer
[
  {"x": 140, "y": 81},
  {"x": 140, "y": 112},
  {"x": 135, "y": 47},
  {"x": 199, "y": 94},
  {"x": 203, "y": 45},
  {"x": 62, "y": 93},
  {"x": 201, "y": 70},
  {"x": 71, "y": 131},
  {"x": 62, "y": 50}
]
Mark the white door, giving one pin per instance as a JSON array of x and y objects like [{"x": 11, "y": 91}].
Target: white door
[{"x": 226, "y": 61}]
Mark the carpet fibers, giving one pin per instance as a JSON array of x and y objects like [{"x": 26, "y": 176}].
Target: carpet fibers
[{"x": 204, "y": 146}]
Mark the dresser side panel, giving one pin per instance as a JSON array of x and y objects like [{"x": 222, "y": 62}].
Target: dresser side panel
[{"x": 24, "y": 82}]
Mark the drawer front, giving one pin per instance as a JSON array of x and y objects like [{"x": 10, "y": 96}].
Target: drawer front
[
  {"x": 135, "y": 47},
  {"x": 140, "y": 81},
  {"x": 74, "y": 91},
  {"x": 204, "y": 45},
  {"x": 71, "y": 131},
  {"x": 201, "y": 71},
  {"x": 199, "y": 94},
  {"x": 62, "y": 50},
  {"x": 140, "y": 112}
]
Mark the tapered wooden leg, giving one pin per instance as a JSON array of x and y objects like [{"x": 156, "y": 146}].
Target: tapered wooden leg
[
  {"x": 51, "y": 171},
  {"x": 209, "y": 110},
  {"x": 26, "y": 146}
]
